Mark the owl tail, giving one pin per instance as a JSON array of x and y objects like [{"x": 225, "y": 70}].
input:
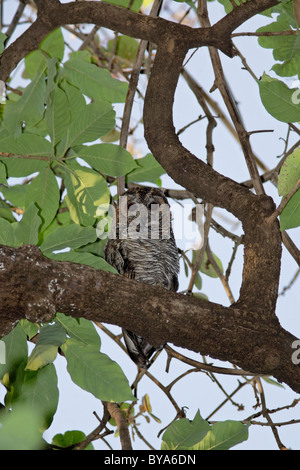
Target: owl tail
[{"x": 139, "y": 349}]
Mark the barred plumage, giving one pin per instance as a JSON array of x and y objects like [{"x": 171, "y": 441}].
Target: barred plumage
[{"x": 144, "y": 249}]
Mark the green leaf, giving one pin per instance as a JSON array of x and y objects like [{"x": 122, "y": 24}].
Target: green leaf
[
  {"x": 290, "y": 216},
  {"x": 20, "y": 429},
  {"x": 30, "y": 329},
  {"x": 29, "y": 107},
  {"x": 2, "y": 41},
  {"x": 80, "y": 329},
  {"x": 184, "y": 433},
  {"x": 16, "y": 351},
  {"x": 57, "y": 115},
  {"x": 86, "y": 191},
  {"x": 7, "y": 233},
  {"x": 2, "y": 173},
  {"x": 30, "y": 145},
  {"x": 82, "y": 258},
  {"x": 15, "y": 194},
  {"x": 40, "y": 392},
  {"x": 279, "y": 100},
  {"x": 289, "y": 173},
  {"x": 126, "y": 48},
  {"x": 94, "y": 120},
  {"x": 54, "y": 44},
  {"x": 26, "y": 231},
  {"x": 72, "y": 236},
  {"x": 35, "y": 62},
  {"x": 207, "y": 268},
  {"x": 95, "y": 82},
  {"x": 223, "y": 436},
  {"x": 110, "y": 159},
  {"x": 148, "y": 169},
  {"x": 285, "y": 48},
  {"x": 76, "y": 101},
  {"x": 45, "y": 350},
  {"x": 70, "y": 438},
  {"x": 44, "y": 191},
  {"x": 95, "y": 372}
]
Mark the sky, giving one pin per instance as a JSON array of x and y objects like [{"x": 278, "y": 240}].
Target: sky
[{"x": 196, "y": 390}]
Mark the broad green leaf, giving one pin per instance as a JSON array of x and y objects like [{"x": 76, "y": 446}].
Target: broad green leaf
[
  {"x": 30, "y": 106},
  {"x": 80, "y": 329},
  {"x": 290, "y": 216},
  {"x": 30, "y": 329},
  {"x": 72, "y": 236},
  {"x": 148, "y": 169},
  {"x": 16, "y": 351},
  {"x": 15, "y": 194},
  {"x": 45, "y": 350},
  {"x": 110, "y": 159},
  {"x": 95, "y": 372},
  {"x": 26, "y": 144},
  {"x": 207, "y": 268},
  {"x": 125, "y": 47},
  {"x": 36, "y": 149},
  {"x": 223, "y": 436},
  {"x": 57, "y": 115},
  {"x": 2, "y": 41},
  {"x": 44, "y": 191},
  {"x": 34, "y": 63},
  {"x": 285, "y": 48},
  {"x": 289, "y": 173},
  {"x": 278, "y": 99},
  {"x": 40, "y": 392},
  {"x": 76, "y": 101},
  {"x": 184, "y": 433},
  {"x": 6, "y": 212},
  {"x": 2, "y": 173},
  {"x": 82, "y": 258},
  {"x": 20, "y": 429},
  {"x": 94, "y": 120},
  {"x": 54, "y": 44},
  {"x": 95, "y": 82},
  {"x": 86, "y": 191},
  {"x": 7, "y": 233},
  {"x": 70, "y": 438},
  {"x": 26, "y": 231}
]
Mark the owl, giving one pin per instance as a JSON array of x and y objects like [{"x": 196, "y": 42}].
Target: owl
[{"x": 141, "y": 246}]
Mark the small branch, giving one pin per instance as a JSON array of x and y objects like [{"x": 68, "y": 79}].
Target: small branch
[
  {"x": 289, "y": 32},
  {"x": 119, "y": 417}
]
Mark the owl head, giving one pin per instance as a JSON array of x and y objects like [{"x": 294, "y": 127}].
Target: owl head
[{"x": 143, "y": 213}]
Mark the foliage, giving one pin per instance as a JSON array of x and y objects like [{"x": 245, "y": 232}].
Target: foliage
[{"x": 56, "y": 134}]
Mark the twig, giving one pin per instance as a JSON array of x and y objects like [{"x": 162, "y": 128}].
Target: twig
[
  {"x": 223, "y": 278},
  {"x": 221, "y": 84},
  {"x": 267, "y": 415},
  {"x": 283, "y": 203},
  {"x": 119, "y": 417}
]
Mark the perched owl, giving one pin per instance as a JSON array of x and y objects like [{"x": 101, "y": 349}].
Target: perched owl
[{"x": 141, "y": 246}]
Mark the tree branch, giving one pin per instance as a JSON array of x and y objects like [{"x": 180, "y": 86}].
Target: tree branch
[{"x": 34, "y": 287}]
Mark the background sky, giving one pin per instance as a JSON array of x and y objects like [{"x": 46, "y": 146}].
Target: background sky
[{"x": 196, "y": 390}]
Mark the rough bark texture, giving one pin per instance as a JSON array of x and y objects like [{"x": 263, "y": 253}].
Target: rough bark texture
[{"x": 247, "y": 333}]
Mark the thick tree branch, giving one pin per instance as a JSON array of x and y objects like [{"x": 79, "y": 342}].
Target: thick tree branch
[{"x": 34, "y": 287}]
